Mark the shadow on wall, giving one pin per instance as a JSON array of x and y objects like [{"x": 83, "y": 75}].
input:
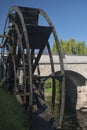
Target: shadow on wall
[{"x": 72, "y": 81}]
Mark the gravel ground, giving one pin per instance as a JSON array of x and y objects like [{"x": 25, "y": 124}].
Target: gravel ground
[
  {"x": 82, "y": 118},
  {"x": 73, "y": 122}
]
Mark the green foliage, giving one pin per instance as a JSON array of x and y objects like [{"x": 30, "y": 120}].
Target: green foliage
[
  {"x": 71, "y": 47},
  {"x": 48, "y": 96},
  {"x": 12, "y": 114},
  {"x": 48, "y": 88},
  {"x": 48, "y": 83},
  {"x": 54, "y": 49},
  {"x": 57, "y": 90}
]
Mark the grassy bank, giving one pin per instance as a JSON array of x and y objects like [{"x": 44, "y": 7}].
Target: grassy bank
[{"x": 12, "y": 114}]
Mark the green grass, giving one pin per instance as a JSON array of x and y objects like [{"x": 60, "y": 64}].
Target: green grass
[
  {"x": 48, "y": 96},
  {"x": 12, "y": 114}
]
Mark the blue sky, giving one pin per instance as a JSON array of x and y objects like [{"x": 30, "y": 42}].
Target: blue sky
[{"x": 68, "y": 16}]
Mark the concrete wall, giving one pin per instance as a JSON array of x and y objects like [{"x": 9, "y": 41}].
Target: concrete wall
[{"x": 74, "y": 63}]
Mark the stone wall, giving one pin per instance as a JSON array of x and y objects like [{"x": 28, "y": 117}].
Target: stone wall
[
  {"x": 74, "y": 63},
  {"x": 81, "y": 97}
]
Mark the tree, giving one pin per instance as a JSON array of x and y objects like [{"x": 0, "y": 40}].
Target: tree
[{"x": 71, "y": 46}]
